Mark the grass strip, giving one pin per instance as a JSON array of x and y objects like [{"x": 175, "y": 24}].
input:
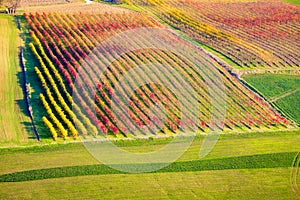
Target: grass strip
[{"x": 274, "y": 160}]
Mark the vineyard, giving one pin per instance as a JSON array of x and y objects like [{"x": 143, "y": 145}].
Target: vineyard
[
  {"x": 251, "y": 34},
  {"x": 116, "y": 99},
  {"x": 61, "y": 43}
]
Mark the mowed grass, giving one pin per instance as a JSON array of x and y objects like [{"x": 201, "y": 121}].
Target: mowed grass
[
  {"x": 288, "y": 102},
  {"x": 75, "y": 154},
  {"x": 296, "y": 2},
  {"x": 282, "y": 90},
  {"x": 14, "y": 123},
  {"x": 173, "y": 182},
  {"x": 273, "y": 85},
  {"x": 220, "y": 184},
  {"x": 275, "y": 160}
]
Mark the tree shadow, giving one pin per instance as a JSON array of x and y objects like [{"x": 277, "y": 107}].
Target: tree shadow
[{"x": 35, "y": 128}]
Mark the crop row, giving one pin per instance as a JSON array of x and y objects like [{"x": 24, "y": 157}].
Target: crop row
[
  {"x": 260, "y": 34},
  {"x": 62, "y": 44}
]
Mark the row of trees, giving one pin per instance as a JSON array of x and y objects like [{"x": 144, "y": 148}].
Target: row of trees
[{"x": 63, "y": 41}]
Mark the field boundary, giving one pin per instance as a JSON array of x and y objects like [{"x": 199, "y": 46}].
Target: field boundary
[
  {"x": 239, "y": 73},
  {"x": 271, "y": 104},
  {"x": 242, "y": 73},
  {"x": 248, "y": 86},
  {"x": 26, "y": 89},
  {"x": 274, "y": 99}
]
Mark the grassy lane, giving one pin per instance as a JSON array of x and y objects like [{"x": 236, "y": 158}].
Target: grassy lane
[{"x": 14, "y": 123}]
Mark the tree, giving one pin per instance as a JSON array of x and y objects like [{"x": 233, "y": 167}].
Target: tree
[{"x": 11, "y": 5}]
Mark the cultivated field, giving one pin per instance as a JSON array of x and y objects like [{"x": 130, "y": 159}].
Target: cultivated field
[
  {"x": 61, "y": 47},
  {"x": 282, "y": 90},
  {"x": 219, "y": 184},
  {"x": 29, "y": 3},
  {"x": 252, "y": 34},
  {"x": 245, "y": 166},
  {"x": 163, "y": 72}
]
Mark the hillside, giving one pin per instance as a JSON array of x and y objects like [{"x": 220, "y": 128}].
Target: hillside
[
  {"x": 61, "y": 48},
  {"x": 249, "y": 34},
  {"x": 150, "y": 99}
]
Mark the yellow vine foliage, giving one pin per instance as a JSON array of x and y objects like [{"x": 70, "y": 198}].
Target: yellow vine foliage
[
  {"x": 50, "y": 126},
  {"x": 60, "y": 127},
  {"x": 74, "y": 118}
]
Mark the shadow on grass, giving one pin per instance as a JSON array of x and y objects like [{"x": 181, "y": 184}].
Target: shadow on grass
[
  {"x": 274, "y": 160},
  {"x": 32, "y": 79},
  {"x": 26, "y": 124}
]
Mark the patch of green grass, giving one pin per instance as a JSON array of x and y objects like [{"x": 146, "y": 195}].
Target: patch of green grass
[
  {"x": 131, "y": 7},
  {"x": 296, "y": 2},
  {"x": 240, "y": 162},
  {"x": 75, "y": 154},
  {"x": 15, "y": 126},
  {"x": 229, "y": 184},
  {"x": 273, "y": 85},
  {"x": 178, "y": 181},
  {"x": 282, "y": 90},
  {"x": 290, "y": 105}
]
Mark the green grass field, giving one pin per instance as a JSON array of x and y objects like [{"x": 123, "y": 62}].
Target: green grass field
[
  {"x": 75, "y": 154},
  {"x": 296, "y": 2},
  {"x": 283, "y": 91},
  {"x": 14, "y": 123},
  {"x": 222, "y": 184},
  {"x": 241, "y": 166}
]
